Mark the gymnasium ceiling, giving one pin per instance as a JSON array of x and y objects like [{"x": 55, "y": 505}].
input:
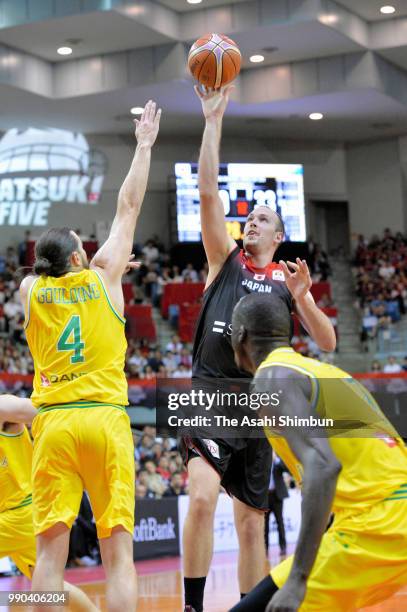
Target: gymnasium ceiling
[{"x": 344, "y": 59}]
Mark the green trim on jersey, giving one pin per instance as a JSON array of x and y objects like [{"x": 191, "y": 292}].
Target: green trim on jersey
[
  {"x": 26, "y": 502},
  {"x": 27, "y": 320},
  {"x": 11, "y": 435},
  {"x": 83, "y": 404}
]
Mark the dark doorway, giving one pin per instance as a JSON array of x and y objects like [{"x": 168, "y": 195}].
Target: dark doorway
[{"x": 330, "y": 226}]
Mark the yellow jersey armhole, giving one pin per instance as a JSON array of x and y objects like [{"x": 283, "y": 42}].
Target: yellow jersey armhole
[
  {"x": 109, "y": 301},
  {"x": 28, "y": 304},
  {"x": 315, "y": 388}
]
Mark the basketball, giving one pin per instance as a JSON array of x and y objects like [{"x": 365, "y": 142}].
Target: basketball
[{"x": 214, "y": 60}]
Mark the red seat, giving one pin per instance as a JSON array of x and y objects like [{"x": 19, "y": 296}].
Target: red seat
[
  {"x": 180, "y": 293},
  {"x": 127, "y": 292},
  {"x": 140, "y": 323}
]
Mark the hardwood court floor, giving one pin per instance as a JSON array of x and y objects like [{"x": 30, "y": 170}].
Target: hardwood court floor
[{"x": 160, "y": 586}]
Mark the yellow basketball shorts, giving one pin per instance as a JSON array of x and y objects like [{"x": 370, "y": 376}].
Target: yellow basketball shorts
[
  {"x": 362, "y": 560},
  {"x": 88, "y": 447},
  {"x": 17, "y": 538}
]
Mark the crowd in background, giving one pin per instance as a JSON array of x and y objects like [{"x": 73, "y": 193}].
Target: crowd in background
[{"x": 381, "y": 281}]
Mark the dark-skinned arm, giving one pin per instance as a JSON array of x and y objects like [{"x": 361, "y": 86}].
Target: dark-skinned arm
[{"x": 320, "y": 473}]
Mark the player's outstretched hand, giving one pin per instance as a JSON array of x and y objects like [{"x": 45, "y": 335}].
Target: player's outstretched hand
[
  {"x": 298, "y": 279},
  {"x": 214, "y": 101},
  {"x": 132, "y": 265},
  {"x": 148, "y": 125},
  {"x": 288, "y": 598}
]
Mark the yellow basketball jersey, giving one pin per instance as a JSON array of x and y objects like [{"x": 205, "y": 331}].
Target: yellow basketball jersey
[
  {"x": 15, "y": 470},
  {"x": 77, "y": 341},
  {"x": 374, "y": 465}
]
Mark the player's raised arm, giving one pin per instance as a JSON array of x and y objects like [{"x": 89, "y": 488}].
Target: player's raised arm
[
  {"x": 320, "y": 473},
  {"x": 16, "y": 409},
  {"x": 317, "y": 324},
  {"x": 217, "y": 242},
  {"x": 113, "y": 256}
]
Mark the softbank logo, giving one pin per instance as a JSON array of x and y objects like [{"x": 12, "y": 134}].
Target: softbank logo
[
  {"x": 39, "y": 168},
  {"x": 219, "y": 327}
]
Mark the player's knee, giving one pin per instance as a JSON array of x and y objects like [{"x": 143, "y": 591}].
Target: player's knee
[
  {"x": 202, "y": 504},
  {"x": 250, "y": 527}
]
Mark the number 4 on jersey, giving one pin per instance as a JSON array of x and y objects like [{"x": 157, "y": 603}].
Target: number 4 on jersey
[{"x": 73, "y": 331}]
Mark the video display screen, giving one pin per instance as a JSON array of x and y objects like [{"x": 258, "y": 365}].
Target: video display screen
[{"x": 242, "y": 187}]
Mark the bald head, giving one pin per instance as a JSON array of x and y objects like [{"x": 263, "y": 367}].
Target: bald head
[{"x": 259, "y": 323}]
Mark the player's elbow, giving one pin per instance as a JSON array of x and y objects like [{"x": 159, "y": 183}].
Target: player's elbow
[
  {"x": 333, "y": 468},
  {"x": 323, "y": 465},
  {"x": 327, "y": 342},
  {"x": 330, "y": 346}
]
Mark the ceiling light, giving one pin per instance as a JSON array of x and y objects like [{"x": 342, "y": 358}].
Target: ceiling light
[
  {"x": 137, "y": 110},
  {"x": 316, "y": 116},
  {"x": 387, "y": 10},
  {"x": 64, "y": 50},
  {"x": 328, "y": 19},
  {"x": 256, "y": 59},
  {"x": 194, "y": 1}
]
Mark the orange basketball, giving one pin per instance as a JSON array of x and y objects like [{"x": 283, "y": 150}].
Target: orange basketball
[{"x": 214, "y": 60}]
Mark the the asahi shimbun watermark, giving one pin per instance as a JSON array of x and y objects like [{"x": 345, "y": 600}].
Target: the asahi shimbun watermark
[
  {"x": 39, "y": 168},
  {"x": 231, "y": 408}
]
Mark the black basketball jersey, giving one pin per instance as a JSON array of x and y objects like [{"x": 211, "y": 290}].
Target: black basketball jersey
[{"x": 212, "y": 352}]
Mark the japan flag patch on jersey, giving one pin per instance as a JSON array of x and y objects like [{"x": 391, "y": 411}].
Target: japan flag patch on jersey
[
  {"x": 278, "y": 275},
  {"x": 259, "y": 277}
]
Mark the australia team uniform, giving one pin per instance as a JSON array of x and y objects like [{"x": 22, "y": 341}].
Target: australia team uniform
[
  {"x": 243, "y": 465},
  {"x": 82, "y": 435},
  {"x": 362, "y": 559},
  {"x": 17, "y": 538}
]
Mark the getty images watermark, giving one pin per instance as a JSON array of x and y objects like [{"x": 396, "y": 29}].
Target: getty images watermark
[{"x": 209, "y": 401}]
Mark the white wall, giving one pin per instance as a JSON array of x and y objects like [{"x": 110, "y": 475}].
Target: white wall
[{"x": 375, "y": 187}]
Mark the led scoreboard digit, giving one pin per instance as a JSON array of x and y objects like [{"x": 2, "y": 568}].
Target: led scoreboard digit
[{"x": 242, "y": 187}]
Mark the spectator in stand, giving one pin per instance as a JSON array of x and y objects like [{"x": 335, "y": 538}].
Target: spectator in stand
[
  {"x": 142, "y": 492},
  {"x": 185, "y": 358},
  {"x": 182, "y": 372},
  {"x": 156, "y": 452},
  {"x": 176, "y": 487},
  {"x": 319, "y": 265},
  {"x": 137, "y": 359},
  {"x": 392, "y": 367},
  {"x": 190, "y": 274},
  {"x": 142, "y": 481},
  {"x": 148, "y": 373},
  {"x": 13, "y": 307},
  {"x": 176, "y": 276},
  {"x": 163, "y": 468},
  {"x": 171, "y": 362},
  {"x": 404, "y": 366},
  {"x": 376, "y": 366},
  {"x": 154, "y": 480},
  {"x": 155, "y": 360},
  {"x": 145, "y": 447},
  {"x": 386, "y": 270},
  {"x": 175, "y": 345},
  {"x": 152, "y": 287},
  {"x": 150, "y": 252}
]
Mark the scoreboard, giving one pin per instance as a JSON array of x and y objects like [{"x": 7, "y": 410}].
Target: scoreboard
[{"x": 242, "y": 187}]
